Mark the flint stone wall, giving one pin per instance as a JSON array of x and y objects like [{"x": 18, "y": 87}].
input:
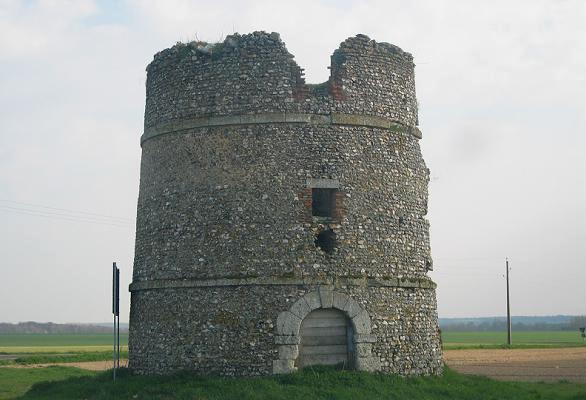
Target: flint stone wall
[
  {"x": 225, "y": 239},
  {"x": 252, "y": 74},
  {"x": 231, "y": 330}
]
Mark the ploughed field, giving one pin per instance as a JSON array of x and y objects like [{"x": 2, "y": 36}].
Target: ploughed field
[
  {"x": 529, "y": 365},
  {"x": 546, "y": 356}
]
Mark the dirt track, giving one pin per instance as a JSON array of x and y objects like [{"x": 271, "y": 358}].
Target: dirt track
[
  {"x": 547, "y": 365},
  {"x": 89, "y": 365}
]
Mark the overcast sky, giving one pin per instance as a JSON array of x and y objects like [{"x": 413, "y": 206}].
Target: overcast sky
[{"x": 502, "y": 93}]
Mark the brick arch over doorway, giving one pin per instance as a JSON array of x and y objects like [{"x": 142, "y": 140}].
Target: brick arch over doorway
[{"x": 287, "y": 336}]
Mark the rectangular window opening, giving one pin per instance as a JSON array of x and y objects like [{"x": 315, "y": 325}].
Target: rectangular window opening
[{"x": 323, "y": 202}]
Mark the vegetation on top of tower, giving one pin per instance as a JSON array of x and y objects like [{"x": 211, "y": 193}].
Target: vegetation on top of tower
[
  {"x": 319, "y": 89},
  {"x": 197, "y": 47}
]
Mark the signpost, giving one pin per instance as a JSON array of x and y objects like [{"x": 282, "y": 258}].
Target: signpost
[
  {"x": 509, "y": 341},
  {"x": 116, "y": 313}
]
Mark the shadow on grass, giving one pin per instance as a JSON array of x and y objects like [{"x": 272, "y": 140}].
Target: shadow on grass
[{"x": 311, "y": 383}]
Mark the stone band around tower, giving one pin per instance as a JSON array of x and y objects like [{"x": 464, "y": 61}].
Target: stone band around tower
[
  {"x": 422, "y": 283},
  {"x": 279, "y": 118}
]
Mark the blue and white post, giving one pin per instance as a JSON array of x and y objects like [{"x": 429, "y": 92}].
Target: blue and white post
[{"x": 116, "y": 313}]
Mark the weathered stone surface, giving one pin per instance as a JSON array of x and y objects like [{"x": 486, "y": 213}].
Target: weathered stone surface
[
  {"x": 292, "y": 339},
  {"x": 300, "y": 308},
  {"x": 371, "y": 364},
  {"x": 352, "y": 308},
  {"x": 415, "y": 131},
  {"x": 277, "y": 118},
  {"x": 363, "y": 349},
  {"x": 283, "y": 366},
  {"x": 322, "y": 183},
  {"x": 226, "y": 263},
  {"x": 288, "y": 351},
  {"x": 364, "y": 338},
  {"x": 326, "y": 296},
  {"x": 313, "y": 300},
  {"x": 339, "y": 301},
  {"x": 288, "y": 323},
  {"x": 361, "y": 323},
  {"x": 257, "y": 75}
]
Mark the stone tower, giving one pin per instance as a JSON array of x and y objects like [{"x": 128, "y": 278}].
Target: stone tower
[{"x": 282, "y": 224}]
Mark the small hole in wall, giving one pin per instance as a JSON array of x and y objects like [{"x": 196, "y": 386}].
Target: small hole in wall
[{"x": 326, "y": 240}]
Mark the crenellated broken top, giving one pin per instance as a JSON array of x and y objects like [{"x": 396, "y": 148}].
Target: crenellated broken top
[
  {"x": 235, "y": 44},
  {"x": 255, "y": 74}
]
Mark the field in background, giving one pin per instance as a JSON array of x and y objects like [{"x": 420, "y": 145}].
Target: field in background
[
  {"x": 59, "y": 340},
  {"x": 539, "y": 339},
  {"x": 58, "y": 343},
  {"x": 76, "y": 343},
  {"x": 60, "y": 348}
]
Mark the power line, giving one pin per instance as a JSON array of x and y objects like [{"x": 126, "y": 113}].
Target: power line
[
  {"x": 465, "y": 275},
  {"x": 67, "y": 210},
  {"x": 476, "y": 260},
  {"x": 63, "y": 217},
  {"x": 463, "y": 267}
]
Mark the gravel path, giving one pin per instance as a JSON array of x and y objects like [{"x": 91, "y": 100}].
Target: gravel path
[{"x": 89, "y": 365}]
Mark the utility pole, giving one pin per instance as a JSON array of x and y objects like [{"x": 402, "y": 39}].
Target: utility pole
[{"x": 508, "y": 306}]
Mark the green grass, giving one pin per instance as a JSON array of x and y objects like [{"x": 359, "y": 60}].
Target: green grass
[
  {"x": 16, "y": 381},
  {"x": 538, "y": 339},
  {"x": 58, "y": 343},
  {"x": 319, "y": 383},
  {"x": 47, "y": 358},
  {"x": 58, "y": 348}
]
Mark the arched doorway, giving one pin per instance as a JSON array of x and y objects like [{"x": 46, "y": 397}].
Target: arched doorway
[
  {"x": 326, "y": 339},
  {"x": 288, "y": 332}
]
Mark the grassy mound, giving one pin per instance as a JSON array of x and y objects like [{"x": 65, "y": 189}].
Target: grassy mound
[{"x": 317, "y": 383}]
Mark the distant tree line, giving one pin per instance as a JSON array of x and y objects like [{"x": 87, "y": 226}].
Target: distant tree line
[
  {"x": 468, "y": 325},
  {"x": 51, "y": 328},
  {"x": 578, "y": 322},
  {"x": 500, "y": 324}
]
